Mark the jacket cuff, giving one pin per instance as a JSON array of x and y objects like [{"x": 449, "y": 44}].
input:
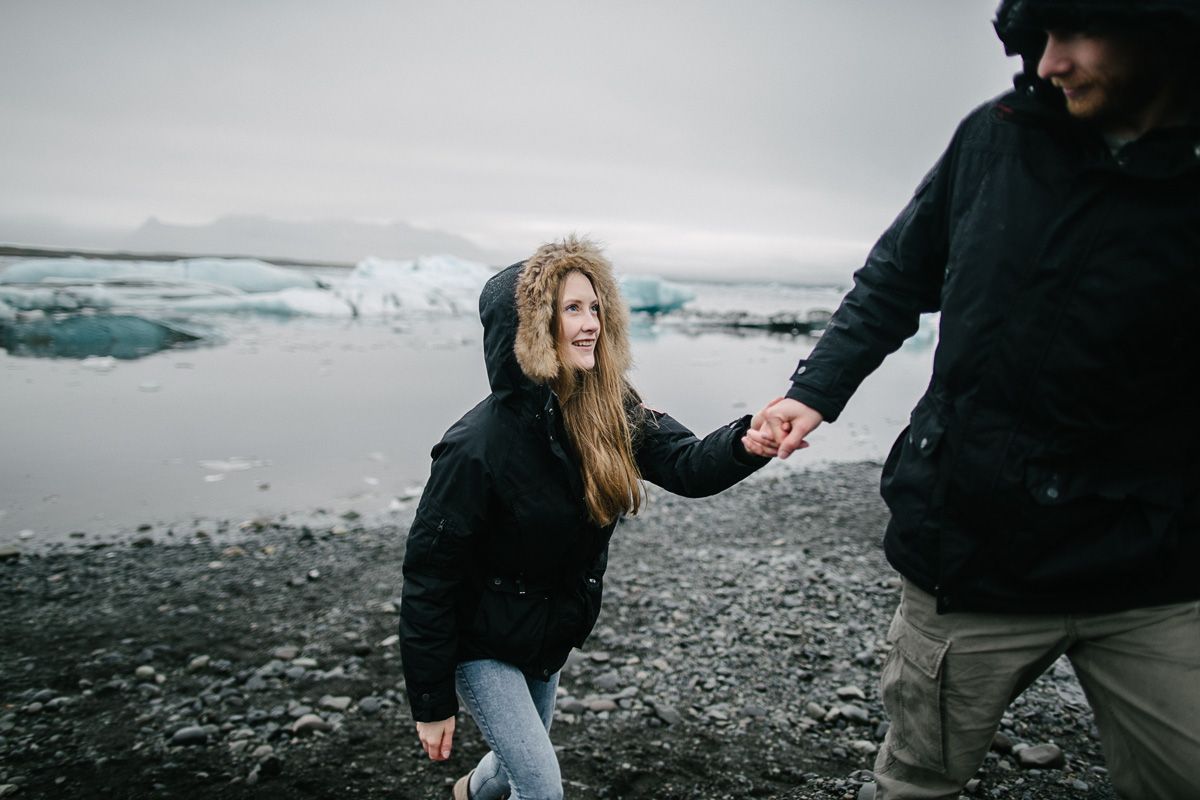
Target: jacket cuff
[
  {"x": 433, "y": 703},
  {"x": 740, "y": 454},
  {"x": 805, "y": 381}
]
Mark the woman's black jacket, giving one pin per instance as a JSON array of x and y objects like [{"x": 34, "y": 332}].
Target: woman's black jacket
[
  {"x": 1053, "y": 464},
  {"x": 502, "y": 560}
]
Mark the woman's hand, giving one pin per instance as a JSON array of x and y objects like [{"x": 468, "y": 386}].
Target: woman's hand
[{"x": 436, "y": 738}]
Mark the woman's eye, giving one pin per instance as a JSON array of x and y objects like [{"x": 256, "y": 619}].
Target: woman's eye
[
  {"x": 572, "y": 307},
  {"x": 595, "y": 308}
]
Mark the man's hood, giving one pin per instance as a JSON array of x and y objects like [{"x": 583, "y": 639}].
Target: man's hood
[
  {"x": 516, "y": 307},
  {"x": 1022, "y": 24}
]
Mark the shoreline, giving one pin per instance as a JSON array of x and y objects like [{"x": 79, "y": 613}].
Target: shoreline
[{"x": 737, "y": 655}]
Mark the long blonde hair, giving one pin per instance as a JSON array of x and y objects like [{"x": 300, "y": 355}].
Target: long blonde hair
[{"x": 595, "y": 406}]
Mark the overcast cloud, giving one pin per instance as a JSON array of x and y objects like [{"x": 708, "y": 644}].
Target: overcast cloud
[{"x": 778, "y": 137}]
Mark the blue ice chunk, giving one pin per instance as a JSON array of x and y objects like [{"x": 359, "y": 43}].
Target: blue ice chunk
[
  {"x": 242, "y": 274},
  {"x": 652, "y": 294}
]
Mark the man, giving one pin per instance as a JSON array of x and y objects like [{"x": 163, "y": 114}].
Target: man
[{"x": 1045, "y": 498}]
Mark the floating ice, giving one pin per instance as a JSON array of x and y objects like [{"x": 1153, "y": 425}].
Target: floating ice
[
  {"x": 232, "y": 464},
  {"x": 242, "y": 274},
  {"x": 85, "y": 335},
  {"x": 652, "y": 294}
]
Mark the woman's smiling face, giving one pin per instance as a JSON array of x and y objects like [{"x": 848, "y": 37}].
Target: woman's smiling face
[{"x": 578, "y": 321}]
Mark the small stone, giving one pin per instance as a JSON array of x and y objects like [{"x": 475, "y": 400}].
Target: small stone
[
  {"x": 390, "y": 641},
  {"x": 285, "y": 653},
  {"x": 8, "y": 789},
  {"x": 262, "y": 751},
  {"x": 310, "y": 723},
  {"x": 1001, "y": 743},
  {"x": 25, "y": 534},
  {"x": 608, "y": 681},
  {"x": 237, "y": 747},
  {"x": 335, "y": 703},
  {"x": 370, "y": 705},
  {"x": 569, "y": 705},
  {"x": 972, "y": 786},
  {"x": 144, "y": 673},
  {"x": 1080, "y": 786},
  {"x": 306, "y": 663},
  {"x": 813, "y": 710},
  {"x": 198, "y": 663},
  {"x": 854, "y": 713},
  {"x": 1042, "y": 756},
  {"x": 191, "y": 735},
  {"x": 600, "y": 657},
  {"x": 601, "y": 704},
  {"x": 851, "y": 693},
  {"x": 753, "y": 712}
]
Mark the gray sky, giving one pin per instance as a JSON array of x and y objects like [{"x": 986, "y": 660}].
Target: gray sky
[{"x": 775, "y": 137}]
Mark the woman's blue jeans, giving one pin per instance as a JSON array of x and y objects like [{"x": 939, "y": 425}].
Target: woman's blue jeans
[{"x": 513, "y": 713}]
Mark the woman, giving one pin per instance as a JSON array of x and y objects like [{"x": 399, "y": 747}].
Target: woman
[{"x": 505, "y": 560}]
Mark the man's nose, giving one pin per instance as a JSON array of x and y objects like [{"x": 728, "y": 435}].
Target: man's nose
[{"x": 1055, "y": 60}]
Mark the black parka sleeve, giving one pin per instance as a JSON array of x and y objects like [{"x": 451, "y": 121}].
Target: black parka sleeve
[
  {"x": 901, "y": 279},
  {"x": 450, "y": 515},
  {"x": 671, "y": 456}
]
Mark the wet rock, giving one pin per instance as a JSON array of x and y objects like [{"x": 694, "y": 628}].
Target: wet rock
[
  {"x": 191, "y": 735},
  {"x": 1042, "y": 756},
  {"x": 854, "y": 713},
  {"x": 851, "y": 693},
  {"x": 198, "y": 663},
  {"x": 285, "y": 653},
  {"x": 335, "y": 703},
  {"x": 370, "y": 705},
  {"x": 144, "y": 673},
  {"x": 310, "y": 723}
]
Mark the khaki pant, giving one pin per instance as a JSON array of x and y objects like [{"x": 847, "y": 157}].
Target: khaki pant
[{"x": 949, "y": 679}]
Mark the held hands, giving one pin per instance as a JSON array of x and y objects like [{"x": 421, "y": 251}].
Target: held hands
[
  {"x": 780, "y": 428},
  {"x": 436, "y": 738}
]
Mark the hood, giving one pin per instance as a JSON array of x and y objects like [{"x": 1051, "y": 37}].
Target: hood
[
  {"x": 516, "y": 308},
  {"x": 1021, "y": 24}
]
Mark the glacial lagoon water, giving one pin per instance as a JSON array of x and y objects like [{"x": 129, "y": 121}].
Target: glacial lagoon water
[{"x": 314, "y": 414}]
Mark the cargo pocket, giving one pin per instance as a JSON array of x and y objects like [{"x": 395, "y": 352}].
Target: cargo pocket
[{"x": 911, "y": 686}]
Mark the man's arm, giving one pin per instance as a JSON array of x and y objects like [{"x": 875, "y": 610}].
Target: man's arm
[{"x": 901, "y": 279}]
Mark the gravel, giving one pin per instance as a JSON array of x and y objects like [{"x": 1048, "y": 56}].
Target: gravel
[{"x": 737, "y": 656}]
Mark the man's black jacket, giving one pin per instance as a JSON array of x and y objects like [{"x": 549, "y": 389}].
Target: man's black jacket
[{"x": 1052, "y": 464}]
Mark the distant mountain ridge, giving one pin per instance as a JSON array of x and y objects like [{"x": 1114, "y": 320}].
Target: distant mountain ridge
[{"x": 326, "y": 240}]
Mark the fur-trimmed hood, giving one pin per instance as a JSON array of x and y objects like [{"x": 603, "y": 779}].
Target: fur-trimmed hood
[{"x": 517, "y": 311}]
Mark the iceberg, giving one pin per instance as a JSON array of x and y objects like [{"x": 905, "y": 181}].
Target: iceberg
[
  {"x": 241, "y": 274},
  {"x": 653, "y": 295},
  {"x": 430, "y": 284},
  {"x": 91, "y": 335}
]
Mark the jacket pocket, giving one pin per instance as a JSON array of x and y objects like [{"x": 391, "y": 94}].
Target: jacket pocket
[
  {"x": 910, "y": 472},
  {"x": 577, "y": 608},
  {"x": 511, "y": 618},
  {"x": 911, "y": 686}
]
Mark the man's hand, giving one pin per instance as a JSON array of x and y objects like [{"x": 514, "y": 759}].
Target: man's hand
[
  {"x": 436, "y": 738},
  {"x": 781, "y": 427}
]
